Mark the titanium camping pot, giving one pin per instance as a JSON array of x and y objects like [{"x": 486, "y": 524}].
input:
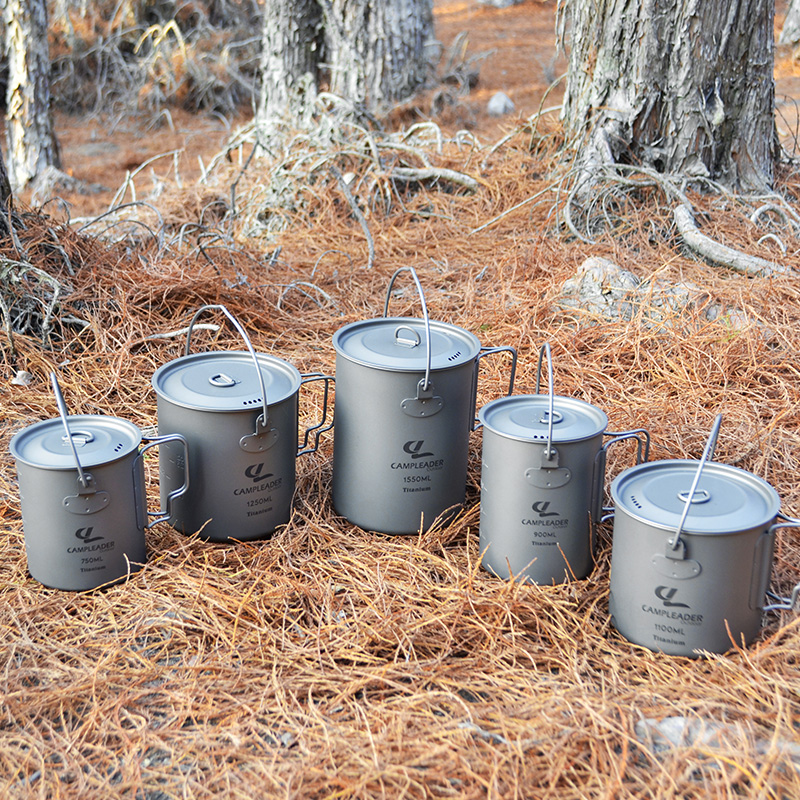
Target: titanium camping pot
[
  {"x": 84, "y": 529},
  {"x": 692, "y": 554},
  {"x": 542, "y": 482},
  {"x": 405, "y": 405},
  {"x": 239, "y": 413}
]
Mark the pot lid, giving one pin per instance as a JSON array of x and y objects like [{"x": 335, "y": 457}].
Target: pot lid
[
  {"x": 727, "y": 499},
  {"x": 525, "y": 418},
  {"x": 225, "y": 381},
  {"x": 399, "y": 344},
  {"x": 98, "y": 440}
]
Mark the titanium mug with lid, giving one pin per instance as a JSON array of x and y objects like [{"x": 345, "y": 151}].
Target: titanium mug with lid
[
  {"x": 692, "y": 554},
  {"x": 82, "y": 492},
  {"x": 239, "y": 413},
  {"x": 405, "y": 405},
  {"x": 542, "y": 481}
]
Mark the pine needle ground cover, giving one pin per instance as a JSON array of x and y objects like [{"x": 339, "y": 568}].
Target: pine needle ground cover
[{"x": 332, "y": 662}]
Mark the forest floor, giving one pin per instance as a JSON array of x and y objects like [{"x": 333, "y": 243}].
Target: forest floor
[
  {"x": 513, "y": 48},
  {"x": 334, "y": 662}
]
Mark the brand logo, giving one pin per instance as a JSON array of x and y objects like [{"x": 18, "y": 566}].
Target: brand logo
[
  {"x": 85, "y": 535},
  {"x": 541, "y": 506},
  {"x": 255, "y": 473},
  {"x": 665, "y": 594},
  {"x": 414, "y": 449}
]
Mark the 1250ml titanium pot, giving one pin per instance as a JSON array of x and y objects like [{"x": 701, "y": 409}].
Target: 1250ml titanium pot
[
  {"x": 692, "y": 554},
  {"x": 405, "y": 406},
  {"x": 82, "y": 492},
  {"x": 239, "y": 413},
  {"x": 542, "y": 481}
]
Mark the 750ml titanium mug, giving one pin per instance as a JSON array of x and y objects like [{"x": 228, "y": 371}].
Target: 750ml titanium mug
[
  {"x": 542, "y": 481},
  {"x": 405, "y": 405},
  {"x": 239, "y": 413},
  {"x": 692, "y": 554},
  {"x": 82, "y": 492}
]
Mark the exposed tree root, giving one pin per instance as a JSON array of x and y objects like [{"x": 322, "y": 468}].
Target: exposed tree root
[{"x": 719, "y": 253}]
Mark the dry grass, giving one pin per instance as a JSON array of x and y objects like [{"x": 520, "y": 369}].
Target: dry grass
[{"x": 330, "y": 662}]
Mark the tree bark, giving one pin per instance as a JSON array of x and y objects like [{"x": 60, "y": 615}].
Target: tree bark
[
  {"x": 376, "y": 50},
  {"x": 683, "y": 86},
  {"x": 369, "y": 52},
  {"x": 291, "y": 44},
  {"x": 790, "y": 32},
  {"x": 5, "y": 198},
  {"x": 32, "y": 144}
]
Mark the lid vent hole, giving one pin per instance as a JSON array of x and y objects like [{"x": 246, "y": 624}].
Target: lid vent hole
[
  {"x": 454, "y": 356},
  {"x": 635, "y": 502}
]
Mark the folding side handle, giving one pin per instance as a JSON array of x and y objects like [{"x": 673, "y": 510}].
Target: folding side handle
[{"x": 323, "y": 425}]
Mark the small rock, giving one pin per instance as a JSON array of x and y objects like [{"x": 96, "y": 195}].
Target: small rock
[
  {"x": 22, "y": 378},
  {"x": 499, "y": 104}
]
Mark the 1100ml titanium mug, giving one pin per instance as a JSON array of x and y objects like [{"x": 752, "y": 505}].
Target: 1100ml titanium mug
[{"x": 692, "y": 554}]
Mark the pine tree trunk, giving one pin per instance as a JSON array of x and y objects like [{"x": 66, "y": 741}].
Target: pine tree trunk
[
  {"x": 376, "y": 49},
  {"x": 290, "y": 48},
  {"x": 684, "y": 87},
  {"x": 5, "y": 197},
  {"x": 32, "y": 144},
  {"x": 370, "y": 52}
]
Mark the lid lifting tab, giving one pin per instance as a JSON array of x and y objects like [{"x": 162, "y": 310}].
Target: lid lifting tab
[
  {"x": 88, "y": 499},
  {"x": 425, "y": 404},
  {"x": 674, "y": 563},
  {"x": 548, "y": 475}
]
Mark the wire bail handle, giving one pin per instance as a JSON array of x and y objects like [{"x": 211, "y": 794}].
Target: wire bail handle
[
  {"x": 425, "y": 384},
  {"x": 708, "y": 455},
  {"x": 545, "y": 350},
  {"x": 85, "y": 478},
  {"x": 263, "y": 419}
]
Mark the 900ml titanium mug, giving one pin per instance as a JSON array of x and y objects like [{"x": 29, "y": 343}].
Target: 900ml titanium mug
[
  {"x": 542, "y": 480},
  {"x": 82, "y": 492},
  {"x": 405, "y": 406},
  {"x": 239, "y": 413}
]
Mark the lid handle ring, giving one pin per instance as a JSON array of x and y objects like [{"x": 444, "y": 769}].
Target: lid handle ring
[
  {"x": 708, "y": 455},
  {"x": 262, "y": 421},
  {"x": 427, "y": 380},
  {"x": 544, "y": 350},
  {"x": 62, "y": 410}
]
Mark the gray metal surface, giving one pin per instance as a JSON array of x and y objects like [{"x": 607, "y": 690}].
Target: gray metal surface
[
  {"x": 710, "y": 591},
  {"x": 79, "y": 537},
  {"x": 394, "y": 471},
  {"x": 242, "y": 474},
  {"x": 535, "y": 519}
]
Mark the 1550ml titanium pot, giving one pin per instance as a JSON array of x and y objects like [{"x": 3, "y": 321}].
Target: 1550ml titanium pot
[
  {"x": 691, "y": 554},
  {"x": 82, "y": 492},
  {"x": 542, "y": 481},
  {"x": 239, "y": 413},
  {"x": 405, "y": 406}
]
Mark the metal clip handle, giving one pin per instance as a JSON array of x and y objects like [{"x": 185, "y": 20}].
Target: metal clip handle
[
  {"x": 708, "y": 454},
  {"x": 599, "y": 471},
  {"x": 85, "y": 478},
  {"x": 164, "y": 514},
  {"x": 489, "y": 351},
  {"x": 426, "y": 319},
  {"x": 784, "y": 603},
  {"x": 544, "y": 350},
  {"x": 320, "y": 428},
  {"x": 262, "y": 423}
]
